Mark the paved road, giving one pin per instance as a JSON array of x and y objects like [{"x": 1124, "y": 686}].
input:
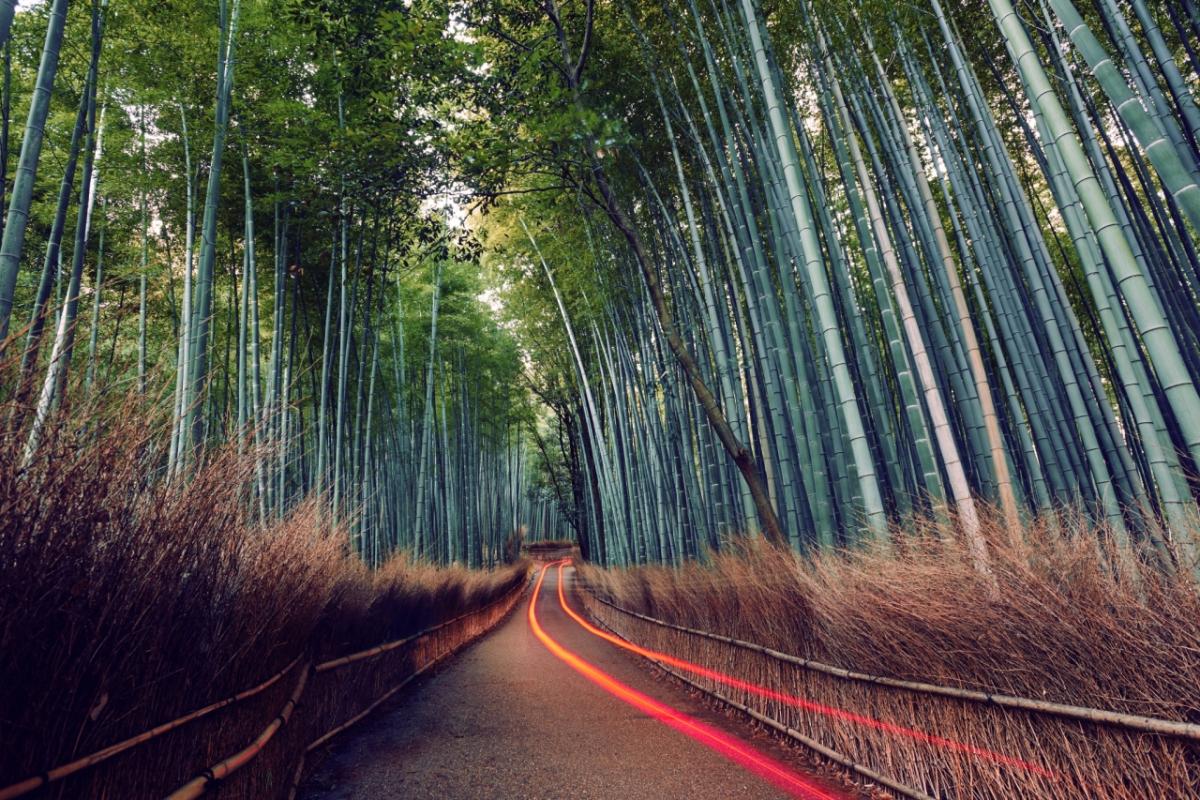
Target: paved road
[{"x": 507, "y": 718}]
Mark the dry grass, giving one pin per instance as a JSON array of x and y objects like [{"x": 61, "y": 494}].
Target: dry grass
[
  {"x": 126, "y": 602},
  {"x": 1060, "y": 624}
]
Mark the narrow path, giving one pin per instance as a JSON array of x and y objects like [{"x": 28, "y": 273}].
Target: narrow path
[{"x": 509, "y": 718}]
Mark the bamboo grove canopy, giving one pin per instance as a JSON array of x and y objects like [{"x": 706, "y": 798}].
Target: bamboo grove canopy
[
  {"x": 877, "y": 266},
  {"x": 652, "y": 274},
  {"x": 221, "y": 207}
]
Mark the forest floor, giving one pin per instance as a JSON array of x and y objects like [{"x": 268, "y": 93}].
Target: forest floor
[{"x": 507, "y": 718}]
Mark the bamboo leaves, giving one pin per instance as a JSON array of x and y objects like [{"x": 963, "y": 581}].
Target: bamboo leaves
[{"x": 870, "y": 277}]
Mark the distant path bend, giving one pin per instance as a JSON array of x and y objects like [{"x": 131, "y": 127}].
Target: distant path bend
[{"x": 540, "y": 708}]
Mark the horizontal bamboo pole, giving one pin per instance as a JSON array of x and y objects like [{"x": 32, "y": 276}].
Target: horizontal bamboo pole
[
  {"x": 378, "y": 650},
  {"x": 424, "y": 668},
  {"x": 27, "y": 785},
  {"x": 198, "y": 785},
  {"x": 223, "y": 769},
  {"x": 1137, "y": 722},
  {"x": 342, "y": 661},
  {"x": 813, "y": 744},
  {"x": 511, "y": 598},
  {"x": 325, "y": 737},
  {"x": 58, "y": 773}
]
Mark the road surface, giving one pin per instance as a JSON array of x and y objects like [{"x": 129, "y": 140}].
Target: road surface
[{"x": 566, "y": 715}]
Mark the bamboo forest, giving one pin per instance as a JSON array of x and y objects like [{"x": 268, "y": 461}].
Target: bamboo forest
[{"x": 395, "y": 392}]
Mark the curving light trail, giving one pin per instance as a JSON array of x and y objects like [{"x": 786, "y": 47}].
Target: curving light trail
[
  {"x": 728, "y": 746},
  {"x": 799, "y": 702}
]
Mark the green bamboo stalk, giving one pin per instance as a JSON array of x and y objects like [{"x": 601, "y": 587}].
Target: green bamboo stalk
[
  {"x": 27, "y": 165},
  {"x": 1176, "y": 176},
  {"x": 198, "y": 369},
  {"x": 830, "y": 333}
]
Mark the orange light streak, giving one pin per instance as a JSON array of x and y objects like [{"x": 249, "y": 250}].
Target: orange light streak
[
  {"x": 761, "y": 765},
  {"x": 799, "y": 702}
]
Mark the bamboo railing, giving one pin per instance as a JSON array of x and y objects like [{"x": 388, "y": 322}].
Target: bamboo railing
[
  {"x": 921, "y": 739},
  {"x": 341, "y": 691}
]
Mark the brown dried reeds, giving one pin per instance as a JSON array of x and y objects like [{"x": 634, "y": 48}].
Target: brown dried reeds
[
  {"x": 1057, "y": 621},
  {"x": 127, "y": 601}
]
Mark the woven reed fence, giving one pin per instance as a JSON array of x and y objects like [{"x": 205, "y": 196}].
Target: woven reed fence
[
  {"x": 254, "y": 744},
  {"x": 925, "y": 740}
]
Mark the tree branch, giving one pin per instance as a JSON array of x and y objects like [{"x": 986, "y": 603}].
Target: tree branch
[{"x": 587, "y": 40}]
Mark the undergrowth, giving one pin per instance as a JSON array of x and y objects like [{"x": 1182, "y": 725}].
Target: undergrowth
[
  {"x": 1058, "y": 621},
  {"x": 127, "y": 600}
]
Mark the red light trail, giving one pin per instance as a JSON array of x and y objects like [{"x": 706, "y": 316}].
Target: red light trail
[
  {"x": 766, "y": 768},
  {"x": 798, "y": 702}
]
